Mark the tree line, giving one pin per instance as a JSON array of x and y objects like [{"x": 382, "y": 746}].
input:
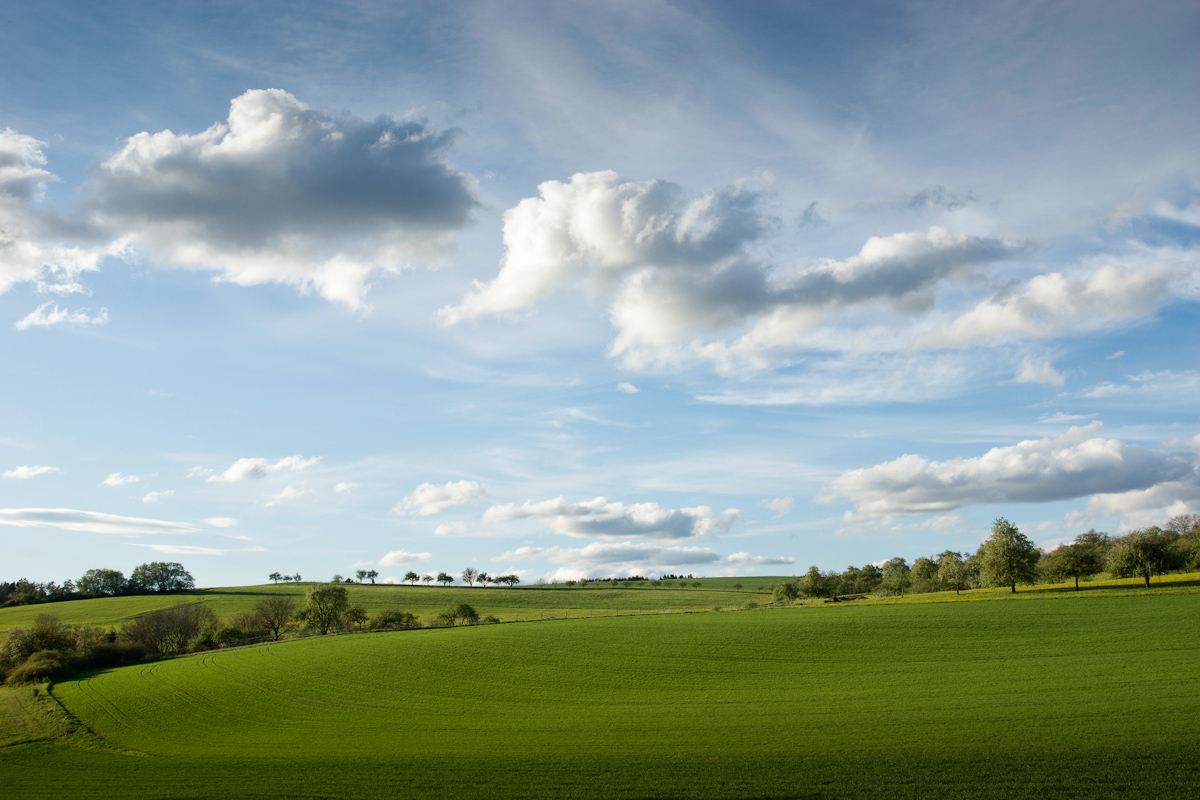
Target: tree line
[
  {"x": 1008, "y": 558},
  {"x": 152, "y": 578}
]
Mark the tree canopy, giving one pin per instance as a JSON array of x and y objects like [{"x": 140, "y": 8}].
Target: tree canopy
[{"x": 1008, "y": 556}]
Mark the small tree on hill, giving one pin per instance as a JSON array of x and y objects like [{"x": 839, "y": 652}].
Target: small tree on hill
[
  {"x": 360, "y": 574},
  {"x": 1077, "y": 560},
  {"x": 445, "y": 578},
  {"x": 356, "y": 615},
  {"x": 461, "y": 614},
  {"x": 952, "y": 570},
  {"x": 896, "y": 576},
  {"x": 412, "y": 577},
  {"x": 372, "y": 574},
  {"x": 788, "y": 590},
  {"x": 470, "y": 575},
  {"x": 326, "y": 606},
  {"x": 427, "y": 579},
  {"x": 274, "y": 577}
]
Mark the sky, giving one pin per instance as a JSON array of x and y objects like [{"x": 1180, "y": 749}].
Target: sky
[{"x": 591, "y": 289}]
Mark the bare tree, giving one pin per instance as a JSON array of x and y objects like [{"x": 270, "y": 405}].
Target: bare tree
[
  {"x": 275, "y": 613},
  {"x": 470, "y": 575}
]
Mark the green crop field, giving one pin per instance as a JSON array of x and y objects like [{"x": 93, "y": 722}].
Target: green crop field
[
  {"x": 519, "y": 603},
  {"x": 1079, "y": 695}
]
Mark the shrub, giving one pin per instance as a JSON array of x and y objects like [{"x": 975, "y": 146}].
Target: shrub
[
  {"x": 461, "y": 614},
  {"x": 171, "y": 630},
  {"x": 116, "y": 654},
  {"x": 752, "y": 604},
  {"x": 394, "y": 618},
  {"x": 42, "y": 666},
  {"x": 490, "y": 619}
]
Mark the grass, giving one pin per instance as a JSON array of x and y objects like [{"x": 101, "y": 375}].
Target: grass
[
  {"x": 1095, "y": 698},
  {"x": 522, "y": 602}
]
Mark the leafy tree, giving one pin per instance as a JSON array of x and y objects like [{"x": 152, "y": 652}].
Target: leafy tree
[
  {"x": 337, "y": 578},
  {"x": 814, "y": 583},
  {"x": 737, "y": 587},
  {"x": 470, "y": 575},
  {"x": 326, "y": 606},
  {"x": 952, "y": 571},
  {"x": 360, "y": 574},
  {"x": 924, "y": 574},
  {"x": 1077, "y": 560},
  {"x": 461, "y": 614},
  {"x": 427, "y": 579},
  {"x": 788, "y": 590},
  {"x": 296, "y": 577},
  {"x": 105, "y": 582},
  {"x": 412, "y": 577},
  {"x": 394, "y": 618},
  {"x": 1141, "y": 553},
  {"x": 896, "y": 576},
  {"x": 445, "y": 578},
  {"x": 1008, "y": 557},
  {"x": 356, "y": 615},
  {"x": 483, "y": 578},
  {"x": 275, "y": 613},
  {"x": 274, "y": 576},
  {"x": 161, "y": 576},
  {"x": 1187, "y": 546},
  {"x": 372, "y": 574}
]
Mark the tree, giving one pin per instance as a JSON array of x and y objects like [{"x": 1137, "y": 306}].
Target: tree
[
  {"x": 296, "y": 577},
  {"x": 737, "y": 587},
  {"x": 1141, "y": 553},
  {"x": 356, "y": 615},
  {"x": 274, "y": 576},
  {"x": 896, "y": 576},
  {"x": 788, "y": 590},
  {"x": 814, "y": 583},
  {"x": 372, "y": 574},
  {"x": 337, "y": 578},
  {"x": 275, "y": 613},
  {"x": 1008, "y": 557},
  {"x": 161, "y": 576},
  {"x": 427, "y": 579},
  {"x": 445, "y": 578},
  {"x": 412, "y": 577},
  {"x": 326, "y": 606},
  {"x": 470, "y": 575},
  {"x": 360, "y": 574},
  {"x": 952, "y": 570},
  {"x": 483, "y": 578},
  {"x": 106, "y": 582},
  {"x": 461, "y": 614},
  {"x": 1077, "y": 560},
  {"x": 170, "y": 631},
  {"x": 924, "y": 575}
]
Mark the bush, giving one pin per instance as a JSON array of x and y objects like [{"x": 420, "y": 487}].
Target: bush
[
  {"x": 44, "y": 665},
  {"x": 490, "y": 619},
  {"x": 171, "y": 630},
  {"x": 116, "y": 654},
  {"x": 394, "y": 618},
  {"x": 461, "y": 614},
  {"x": 752, "y": 604}
]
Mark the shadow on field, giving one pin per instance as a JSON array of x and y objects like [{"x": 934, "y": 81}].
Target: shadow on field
[{"x": 1164, "y": 581}]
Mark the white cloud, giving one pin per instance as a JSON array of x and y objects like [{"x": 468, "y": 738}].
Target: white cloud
[
  {"x": 221, "y": 522},
  {"x": 1059, "y": 417},
  {"x": 1170, "y": 388},
  {"x": 117, "y": 479},
  {"x": 1115, "y": 355},
  {"x": 283, "y": 193},
  {"x": 614, "y": 520},
  {"x": 1055, "y": 303},
  {"x": 1151, "y": 506},
  {"x": 194, "y": 550},
  {"x": 88, "y": 521},
  {"x": 26, "y": 254},
  {"x": 24, "y": 473},
  {"x": 598, "y": 227},
  {"x": 1075, "y": 464},
  {"x": 199, "y": 472},
  {"x": 747, "y": 560},
  {"x": 1032, "y": 371},
  {"x": 450, "y": 529},
  {"x": 429, "y": 498},
  {"x": 345, "y": 487},
  {"x": 154, "y": 497},
  {"x": 40, "y": 317},
  {"x": 780, "y": 505},
  {"x": 613, "y": 559},
  {"x": 290, "y": 492},
  {"x": 627, "y": 388},
  {"x": 245, "y": 469},
  {"x": 398, "y": 557}
]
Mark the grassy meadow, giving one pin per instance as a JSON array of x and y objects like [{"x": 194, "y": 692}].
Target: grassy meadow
[{"x": 1089, "y": 694}]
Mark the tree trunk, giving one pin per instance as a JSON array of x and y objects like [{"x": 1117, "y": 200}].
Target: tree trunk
[
  {"x": 1077, "y": 583},
  {"x": 1014, "y": 587},
  {"x": 1147, "y": 577}
]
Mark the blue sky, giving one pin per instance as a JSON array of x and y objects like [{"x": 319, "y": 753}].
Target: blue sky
[{"x": 591, "y": 289}]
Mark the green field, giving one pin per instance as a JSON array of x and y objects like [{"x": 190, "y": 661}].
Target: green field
[
  {"x": 519, "y": 603},
  {"x": 1070, "y": 695}
]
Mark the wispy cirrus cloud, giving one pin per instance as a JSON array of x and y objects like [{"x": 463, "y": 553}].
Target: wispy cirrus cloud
[
  {"x": 25, "y": 472},
  {"x": 69, "y": 519},
  {"x": 246, "y": 469}
]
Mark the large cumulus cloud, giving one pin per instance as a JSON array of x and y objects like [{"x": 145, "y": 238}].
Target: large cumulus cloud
[
  {"x": 605, "y": 519},
  {"x": 283, "y": 193},
  {"x": 683, "y": 275},
  {"x": 1078, "y": 463}
]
